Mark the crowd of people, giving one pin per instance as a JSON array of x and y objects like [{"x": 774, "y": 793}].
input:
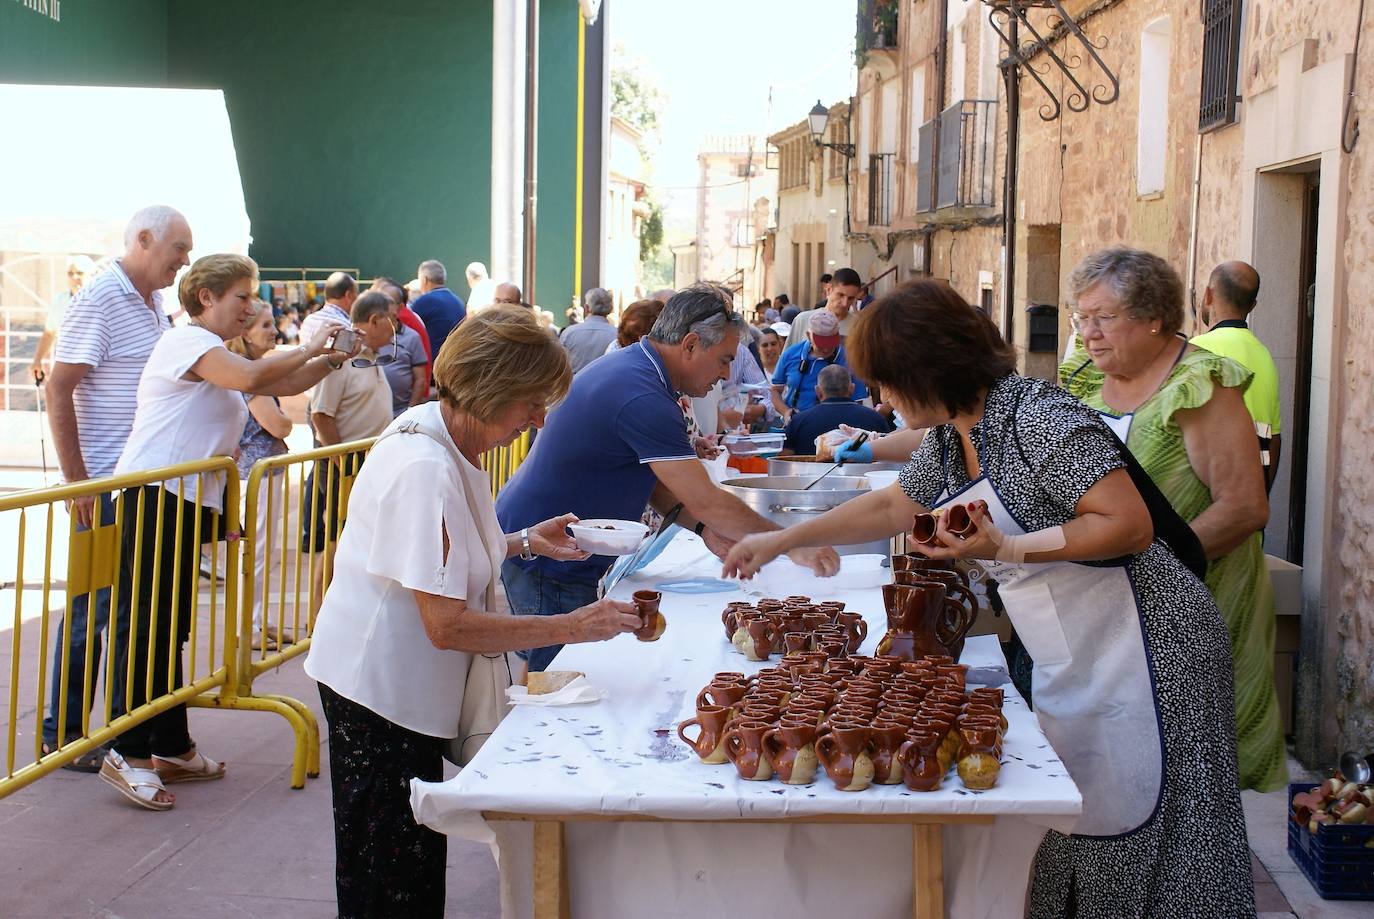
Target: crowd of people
[{"x": 1125, "y": 504}]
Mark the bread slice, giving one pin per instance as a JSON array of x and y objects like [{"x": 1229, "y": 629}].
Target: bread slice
[{"x": 540, "y": 683}]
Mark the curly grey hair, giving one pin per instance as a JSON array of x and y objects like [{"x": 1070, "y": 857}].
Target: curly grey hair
[
  {"x": 1145, "y": 285},
  {"x": 702, "y": 308}
]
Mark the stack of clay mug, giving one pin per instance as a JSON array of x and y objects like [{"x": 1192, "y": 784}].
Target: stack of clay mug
[
  {"x": 793, "y": 624},
  {"x": 864, "y": 720}
]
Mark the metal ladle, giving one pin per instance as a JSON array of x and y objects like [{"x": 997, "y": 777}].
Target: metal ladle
[
  {"x": 858, "y": 442},
  {"x": 1356, "y": 768}
]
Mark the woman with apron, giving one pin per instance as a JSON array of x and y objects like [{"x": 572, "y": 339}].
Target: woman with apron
[{"x": 1132, "y": 670}]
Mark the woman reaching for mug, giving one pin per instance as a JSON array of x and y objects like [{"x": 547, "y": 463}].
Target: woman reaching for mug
[{"x": 1132, "y": 665}]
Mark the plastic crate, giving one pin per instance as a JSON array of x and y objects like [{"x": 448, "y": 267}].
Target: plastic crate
[{"x": 1334, "y": 858}]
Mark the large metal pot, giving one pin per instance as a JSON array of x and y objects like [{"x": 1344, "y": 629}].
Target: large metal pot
[
  {"x": 782, "y": 500},
  {"x": 809, "y": 466}
]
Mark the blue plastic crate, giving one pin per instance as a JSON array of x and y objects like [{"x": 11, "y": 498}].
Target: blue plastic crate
[{"x": 1334, "y": 859}]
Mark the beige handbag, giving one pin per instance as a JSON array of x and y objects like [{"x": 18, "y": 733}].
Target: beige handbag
[{"x": 489, "y": 675}]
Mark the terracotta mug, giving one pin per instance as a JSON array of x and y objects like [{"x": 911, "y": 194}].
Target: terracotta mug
[
  {"x": 730, "y": 676},
  {"x": 797, "y": 641},
  {"x": 855, "y": 628},
  {"x": 813, "y": 621},
  {"x": 959, "y": 521},
  {"x": 723, "y": 694},
  {"x": 988, "y": 694},
  {"x": 759, "y": 639},
  {"x": 887, "y": 738},
  {"x": 792, "y": 750},
  {"x": 744, "y": 747},
  {"x": 920, "y": 762},
  {"x": 923, "y": 527},
  {"x": 646, "y": 602},
  {"x": 729, "y": 619},
  {"x": 796, "y": 598},
  {"x": 844, "y": 752},
  {"x": 978, "y": 760},
  {"x": 709, "y": 743}
]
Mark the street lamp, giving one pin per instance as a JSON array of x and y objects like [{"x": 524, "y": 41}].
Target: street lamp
[{"x": 818, "y": 118}]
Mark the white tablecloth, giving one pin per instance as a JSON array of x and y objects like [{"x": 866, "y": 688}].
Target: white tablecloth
[{"x": 622, "y": 756}]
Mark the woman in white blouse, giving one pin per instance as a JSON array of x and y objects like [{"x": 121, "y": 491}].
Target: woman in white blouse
[
  {"x": 413, "y": 596},
  {"x": 190, "y": 407}
]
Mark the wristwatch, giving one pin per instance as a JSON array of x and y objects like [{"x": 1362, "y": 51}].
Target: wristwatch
[
  {"x": 525, "y": 552},
  {"x": 699, "y": 529}
]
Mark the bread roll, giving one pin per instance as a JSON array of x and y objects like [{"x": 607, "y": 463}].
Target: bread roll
[{"x": 540, "y": 683}]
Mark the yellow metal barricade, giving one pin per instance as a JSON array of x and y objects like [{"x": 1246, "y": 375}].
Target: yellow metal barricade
[
  {"x": 501, "y": 462},
  {"x": 141, "y": 561}
]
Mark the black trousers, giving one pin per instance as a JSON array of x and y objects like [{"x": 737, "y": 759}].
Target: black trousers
[
  {"x": 162, "y": 622},
  {"x": 386, "y": 865}
]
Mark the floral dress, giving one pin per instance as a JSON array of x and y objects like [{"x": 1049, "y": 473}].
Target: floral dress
[
  {"x": 1240, "y": 581},
  {"x": 1042, "y": 450}
]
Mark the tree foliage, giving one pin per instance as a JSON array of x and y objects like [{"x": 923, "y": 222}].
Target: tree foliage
[{"x": 635, "y": 96}]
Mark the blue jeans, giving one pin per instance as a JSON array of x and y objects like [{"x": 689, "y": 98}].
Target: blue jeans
[
  {"x": 74, "y": 624},
  {"x": 531, "y": 592}
]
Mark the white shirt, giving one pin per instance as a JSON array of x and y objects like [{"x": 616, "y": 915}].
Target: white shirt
[
  {"x": 369, "y": 643},
  {"x": 481, "y": 295},
  {"x": 179, "y": 421},
  {"x": 112, "y": 329}
]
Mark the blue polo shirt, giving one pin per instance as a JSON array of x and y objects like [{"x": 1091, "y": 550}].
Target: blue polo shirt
[
  {"x": 799, "y": 367},
  {"x": 806, "y": 426},
  {"x": 441, "y": 311},
  {"x": 592, "y": 457}
]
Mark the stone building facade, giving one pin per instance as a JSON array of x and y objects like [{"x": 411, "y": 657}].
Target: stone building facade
[
  {"x": 735, "y": 193},
  {"x": 1274, "y": 186},
  {"x": 810, "y": 235},
  {"x": 929, "y": 131}
]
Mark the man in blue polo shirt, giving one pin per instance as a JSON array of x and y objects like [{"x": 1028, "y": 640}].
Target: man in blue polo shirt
[
  {"x": 800, "y": 366},
  {"x": 619, "y": 442},
  {"x": 439, "y": 308}
]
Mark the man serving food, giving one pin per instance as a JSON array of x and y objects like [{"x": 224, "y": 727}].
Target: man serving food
[{"x": 619, "y": 442}]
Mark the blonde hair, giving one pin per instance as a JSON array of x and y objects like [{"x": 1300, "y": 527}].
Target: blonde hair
[
  {"x": 215, "y": 273},
  {"x": 499, "y": 356},
  {"x": 240, "y": 344}
]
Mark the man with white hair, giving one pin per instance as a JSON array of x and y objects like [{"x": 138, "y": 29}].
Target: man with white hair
[
  {"x": 105, "y": 339},
  {"x": 587, "y": 340},
  {"x": 482, "y": 288},
  {"x": 438, "y": 307},
  {"x": 79, "y": 268}
]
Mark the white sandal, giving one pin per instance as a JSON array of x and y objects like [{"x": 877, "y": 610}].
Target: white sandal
[
  {"x": 137, "y": 784},
  {"x": 199, "y": 768}
]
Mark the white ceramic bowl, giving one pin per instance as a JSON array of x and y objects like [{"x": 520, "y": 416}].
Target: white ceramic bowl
[
  {"x": 862, "y": 572},
  {"x": 880, "y": 480},
  {"x": 622, "y": 538}
]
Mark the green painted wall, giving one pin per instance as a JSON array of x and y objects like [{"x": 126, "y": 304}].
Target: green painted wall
[
  {"x": 96, "y": 42},
  {"x": 557, "y": 171},
  {"x": 362, "y": 129}
]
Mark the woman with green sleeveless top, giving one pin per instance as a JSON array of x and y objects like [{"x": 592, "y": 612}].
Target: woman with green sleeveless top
[{"x": 1180, "y": 411}]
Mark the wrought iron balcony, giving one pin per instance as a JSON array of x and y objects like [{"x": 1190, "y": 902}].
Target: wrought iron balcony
[
  {"x": 877, "y": 26},
  {"x": 880, "y": 189},
  {"x": 956, "y": 150}
]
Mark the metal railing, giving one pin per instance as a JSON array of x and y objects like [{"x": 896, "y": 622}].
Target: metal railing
[
  {"x": 119, "y": 566},
  {"x": 956, "y": 157},
  {"x": 291, "y": 503},
  {"x": 880, "y": 189}
]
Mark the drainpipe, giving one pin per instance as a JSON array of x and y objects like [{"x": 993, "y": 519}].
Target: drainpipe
[
  {"x": 531, "y": 139},
  {"x": 941, "y": 60},
  {"x": 1192, "y": 232},
  {"x": 1012, "y": 75}
]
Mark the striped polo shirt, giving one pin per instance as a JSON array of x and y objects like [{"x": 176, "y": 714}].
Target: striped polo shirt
[{"x": 110, "y": 328}]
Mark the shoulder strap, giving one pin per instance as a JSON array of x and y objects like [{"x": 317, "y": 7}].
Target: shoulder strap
[
  {"x": 1168, "y": 525},
  {"x": 412, "y": 426}
]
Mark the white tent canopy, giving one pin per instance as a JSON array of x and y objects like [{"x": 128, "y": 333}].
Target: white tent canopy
[{"x": 79, "y": 160}]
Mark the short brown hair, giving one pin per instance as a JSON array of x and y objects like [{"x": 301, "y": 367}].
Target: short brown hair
[
  {"x": 639, "y": 317},
  {"x": 499, "y": 356},
  {"x": 925, "y": 343},
  {"x": 215, "y": 273}
]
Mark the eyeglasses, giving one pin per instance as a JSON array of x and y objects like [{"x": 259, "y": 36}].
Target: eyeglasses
[
  {"x": 1082, "y": 323},
  {"x": 380, "y": 360},
  {"x": 720, "y": 308}
]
